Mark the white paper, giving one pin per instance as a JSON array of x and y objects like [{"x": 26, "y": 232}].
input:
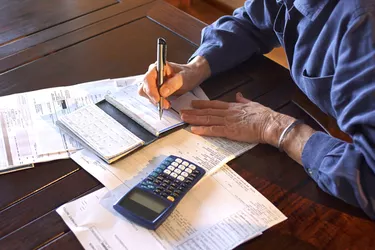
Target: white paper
[
  {"x": 209, "y": 153},
  {"x": 27, "y": 120},
  {"x": 128, "y": 81},
  {"x": 143, "y": 111},
  {"x": 221, "y": 212}
]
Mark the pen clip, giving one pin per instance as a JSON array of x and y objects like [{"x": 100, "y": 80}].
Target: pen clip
[{"x": 162, "y": 48}]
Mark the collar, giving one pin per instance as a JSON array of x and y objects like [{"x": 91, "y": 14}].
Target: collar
[{"x": 310, "y": 8}]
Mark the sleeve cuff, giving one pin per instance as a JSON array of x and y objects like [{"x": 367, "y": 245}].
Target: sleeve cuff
[
  {"x": 316, "y": 148},
  {"x": 205, "y": 51}
]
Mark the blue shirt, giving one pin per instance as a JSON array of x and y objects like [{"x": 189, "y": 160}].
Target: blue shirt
[{"x": 330, "y": 45}]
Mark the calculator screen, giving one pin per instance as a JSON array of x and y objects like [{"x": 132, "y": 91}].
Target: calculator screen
[{"x": 147, "y": 200}]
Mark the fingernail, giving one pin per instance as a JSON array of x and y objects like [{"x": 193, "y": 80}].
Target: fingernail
[
  {"x": 239, "y": 94},
  {"x": 165, "y": 91}
]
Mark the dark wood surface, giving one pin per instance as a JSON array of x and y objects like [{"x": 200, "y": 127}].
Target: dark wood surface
[{"x": 118, "y": 39}]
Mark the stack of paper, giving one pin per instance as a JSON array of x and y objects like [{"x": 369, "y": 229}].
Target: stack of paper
[
  {"x": 27, "y": 121},
  {"x": 220, "y": 212}
]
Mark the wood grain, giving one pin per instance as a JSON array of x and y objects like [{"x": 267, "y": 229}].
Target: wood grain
[
  {"x": 68, "y": 26},
  {"x": 113, "y": 46},
  {"x": 24, "y": 17}
]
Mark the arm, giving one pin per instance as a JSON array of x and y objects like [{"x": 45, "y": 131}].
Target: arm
[
  {"x": 344, "y": 170},
  {"x": 347, "y": 170},
  {"x": 233, "y": 39}
]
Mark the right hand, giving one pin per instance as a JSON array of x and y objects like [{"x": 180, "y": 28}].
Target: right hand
[{"x": 179, "y": 79}]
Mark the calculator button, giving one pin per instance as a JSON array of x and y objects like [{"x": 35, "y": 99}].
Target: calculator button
[
  {"x": 189, "y": 170},
  {"x": 175, "y": 195},
  {"x": 143, "y": 186},
  {"x": 164, "y": 195},
  {"x": 167, "y": 171},
  {"x": 177, "y": 171},
  {"x": 170, "y": 188},
  {"x": 157, "y": 191},
  {"x": 190, "y": 178},
  {"x": 178, "y": 160},
  {"x": 160, "y": 178},
  {"x": 167, "y": 181},
  {"x": 158, "y": 170},
  {"x": 180, "y": 188},
  {"x": 171, "y": 167},
  {"x": 192, "y": 167},
  {"x": 182, "y": 167},
  {"x": 174, "y": 175},
  {"x": 184, "y": 174},
  {"x": 169, "y": 192},
  {"x": 185, "y": 163},
  {"x": 153, "y": 174},
  {"x": 174, "y": 164},
  {"x": 151, "y": 187},
  {"x": 162, "y": 166},
  {"x": 149, "y": 182},
  {"x": 181, "y": 178},
  {"x": 184, "y": 185},
  {"x": 188, "y": 182},
  {"x": 196, "y": 172},
  {"x": 193, "y": 175},
  {"x": 168, "y": 161},
  {"x": 164, "y": 185},
  {"x": 150, "y": 178},
  {"x": 157, "y": 182},
  {"x": 177, "y": 192},
  {"x": 173, "y": 185},
  {"x": 171, "y": 198}
]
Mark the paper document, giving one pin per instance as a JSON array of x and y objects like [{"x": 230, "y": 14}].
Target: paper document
[
  {"x": 221, "y": 212},
  {"x": 143, "y": 111},
  {"x": 209, "y": 153},
  {"x": 27, "y": 120}
]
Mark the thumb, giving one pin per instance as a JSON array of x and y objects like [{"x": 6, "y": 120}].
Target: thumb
[
  {"x": 171, "y": 85},
  {"x": 241, "y": 99}
]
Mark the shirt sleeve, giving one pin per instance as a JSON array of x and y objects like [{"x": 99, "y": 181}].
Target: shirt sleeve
[
  {"x": 347, "y": 170},
  {"x": 233, "y": 39}
]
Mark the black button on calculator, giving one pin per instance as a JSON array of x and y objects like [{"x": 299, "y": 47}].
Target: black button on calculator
[{"x": 152, "y": 200}]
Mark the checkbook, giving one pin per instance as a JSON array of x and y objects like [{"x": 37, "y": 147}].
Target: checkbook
[{"x": 123, "y": 122}]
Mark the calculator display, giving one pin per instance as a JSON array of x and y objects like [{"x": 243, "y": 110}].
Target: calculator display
[{"x": 146, "y": 200}]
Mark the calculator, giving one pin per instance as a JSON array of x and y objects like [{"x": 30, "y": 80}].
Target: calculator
[{"x": 152, "y": 200}]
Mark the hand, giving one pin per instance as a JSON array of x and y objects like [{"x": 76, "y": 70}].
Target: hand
[
  {"x": 243, "y": 120},
  {"x": 180, "y": 78}
]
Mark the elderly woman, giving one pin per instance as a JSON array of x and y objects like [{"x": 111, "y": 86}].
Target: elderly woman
[{"x": 330, "y": 45}]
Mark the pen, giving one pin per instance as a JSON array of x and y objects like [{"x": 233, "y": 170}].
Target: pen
[{"x": 160, "y": 63}]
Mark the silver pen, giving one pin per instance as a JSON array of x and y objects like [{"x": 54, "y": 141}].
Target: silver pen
[{"x": 160, "y": 63}]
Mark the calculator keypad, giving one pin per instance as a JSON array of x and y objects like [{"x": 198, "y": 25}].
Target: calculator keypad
[{"x": 173, "y": 177}]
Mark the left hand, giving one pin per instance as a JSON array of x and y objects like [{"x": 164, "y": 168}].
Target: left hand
[{"x": 243, "y": 120}]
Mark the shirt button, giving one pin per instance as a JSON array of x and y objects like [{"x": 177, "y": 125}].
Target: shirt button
[{"x": 309, "y": 171}]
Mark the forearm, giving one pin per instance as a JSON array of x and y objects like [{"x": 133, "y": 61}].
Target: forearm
[
  {"x": 294, "y": 142},
  {"x": 200, "y": 69}
]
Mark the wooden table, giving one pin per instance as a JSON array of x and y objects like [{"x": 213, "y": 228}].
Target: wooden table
[{"x": 63, "y": 42}]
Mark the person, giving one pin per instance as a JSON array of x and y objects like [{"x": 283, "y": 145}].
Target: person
[{"x": 330, "y": 46}]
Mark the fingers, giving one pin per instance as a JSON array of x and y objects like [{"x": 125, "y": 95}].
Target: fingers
[
  {"x": 241, "y": 99},
  {"x": 171, "y": 85},
  {"x": 216, "y": 131},
  {"x": 148, "y": 88},
  {"x": 206, "y": 120},
  {"x": 203, "y": 104},
  {"x": 141, "y": 92},
  {"x": 214, "y": 112}
]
